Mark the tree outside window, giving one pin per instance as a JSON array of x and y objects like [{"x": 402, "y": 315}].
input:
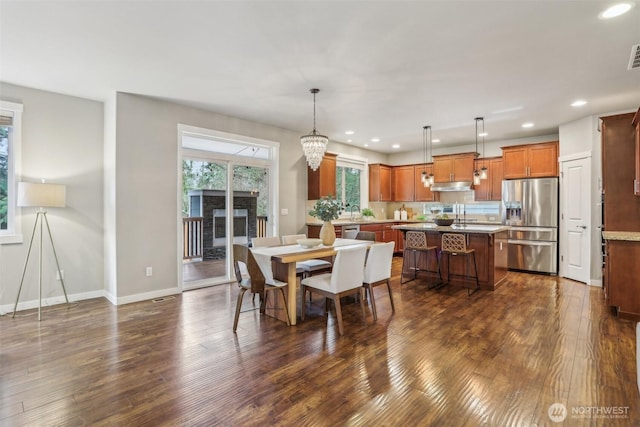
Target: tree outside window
[{"x": 4, "y": 177}]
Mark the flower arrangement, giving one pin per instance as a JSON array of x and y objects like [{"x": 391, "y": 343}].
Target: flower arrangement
[{"x": 326, "y": 209}]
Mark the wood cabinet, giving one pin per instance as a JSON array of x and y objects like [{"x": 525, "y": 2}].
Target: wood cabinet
[
  {"x": 636, "y": 182},
  {"x": 622, "y": 288},
  {"x": 322, "y": 181},
  {"x": 490, "y": 188},
  {"x": 531, "y": 161},
  {"x": 376, "y": 228},
  {"x": 454, "y": 167},
  {"x": 403, "y": 183},
  {"x": 422, "y": 193},
  {"x": 380, "y": 189},
  {"x": 621, "y": 206},
  {"x": 313, "y": 231}
]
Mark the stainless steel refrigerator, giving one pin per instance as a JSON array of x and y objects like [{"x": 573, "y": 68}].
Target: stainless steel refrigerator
[{"x": 530, "y": 207}]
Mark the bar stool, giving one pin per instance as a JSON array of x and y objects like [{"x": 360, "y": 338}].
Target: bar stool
[
  {"x": 455, "y": 244},
  {"x": 416, "y": 242}
]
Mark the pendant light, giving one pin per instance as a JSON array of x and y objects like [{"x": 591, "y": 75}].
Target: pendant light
[
  {"x": 426, "y": 179},
  {"x": 314, "y": 145},
  {"x": 476, "y": 173},
  {"x": 483, "y": 169}
]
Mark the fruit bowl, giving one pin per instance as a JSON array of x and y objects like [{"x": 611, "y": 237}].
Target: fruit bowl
[
  {"x": 309, "y": 243},
  {"x": 443, "y": 222}
]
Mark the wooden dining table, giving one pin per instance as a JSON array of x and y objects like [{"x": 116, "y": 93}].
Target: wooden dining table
[{"x": 288, "y": 255}]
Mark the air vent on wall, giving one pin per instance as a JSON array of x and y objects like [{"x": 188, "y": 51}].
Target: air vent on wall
[{"x": 634, "y": 61}]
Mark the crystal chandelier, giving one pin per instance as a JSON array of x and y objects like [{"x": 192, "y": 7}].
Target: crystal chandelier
[{"x": 314, "y": 145}]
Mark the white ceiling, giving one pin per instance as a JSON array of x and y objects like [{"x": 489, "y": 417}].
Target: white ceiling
[{"x": 385, "y": 69}]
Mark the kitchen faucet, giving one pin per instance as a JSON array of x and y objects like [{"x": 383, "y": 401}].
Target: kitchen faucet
[{"x": 351, "y": 209}]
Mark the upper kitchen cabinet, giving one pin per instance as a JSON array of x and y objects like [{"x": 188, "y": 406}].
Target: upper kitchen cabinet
[
  {"x": 454, "y": 167},
  {"x": 531, "y": 161},
  {"x": 322, "y": 181},
  {"x": 403, "y": 185},
  {"x": 636, "y": 182},
  {"x": 621, "y": 206},
  {"x": 380, "y": 183},
  {"x": 490, "y": 188},
  {"x": 422, "y": 193}
]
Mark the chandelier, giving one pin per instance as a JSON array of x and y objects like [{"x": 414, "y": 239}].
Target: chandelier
[
  {"x": 314, "y": 145},
  {"x": 427, "y": 179}
]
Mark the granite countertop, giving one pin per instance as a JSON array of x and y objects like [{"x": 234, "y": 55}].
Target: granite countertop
[
  {"x": 465, "y": 228},
  {"x": 631, "y": 236},
  {"x": 387, "y": 221}
]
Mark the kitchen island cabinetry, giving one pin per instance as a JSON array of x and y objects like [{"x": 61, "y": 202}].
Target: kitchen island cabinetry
[
  {"x": 531, "y": 161},
  {"x": 490, "y": 188},
  {"x": 322, "y": 181},
  {"x": 454, "y": 167},
  {"x": 380, "y": 183},
  {"x": 491, "y": 255},
  {"x": 622, "y": 270}
]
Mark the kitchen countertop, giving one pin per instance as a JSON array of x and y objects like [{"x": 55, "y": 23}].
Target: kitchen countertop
[
  {"x": 631, "y": 236},
  {"x": 464, "y": 228},
  {"x": 387, "y": 221}
]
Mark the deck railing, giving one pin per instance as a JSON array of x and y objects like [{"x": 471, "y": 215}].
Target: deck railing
[
  {"x": 261, "y": 226},
  {"x": 192, "y": 237}
]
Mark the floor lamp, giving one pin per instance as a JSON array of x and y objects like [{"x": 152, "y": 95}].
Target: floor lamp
[{"x": 41, "y": 196}]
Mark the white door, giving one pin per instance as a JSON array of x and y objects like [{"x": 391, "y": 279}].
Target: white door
[{"x": 575, "y": 218}]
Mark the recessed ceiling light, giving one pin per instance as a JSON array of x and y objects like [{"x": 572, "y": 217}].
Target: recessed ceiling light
[
  {"x": 349, "y": 132},
  {"x": 375, "y": 139},
  {"x": 366, "y": 145},
  {"x": 396, "y": 146},
  {"x": 435, "y": 141},
  {"x": 527, "y": 125},
  {"x": 615, "y": 10},
  {"x": 483, "y": 134},
  {"x": 348, "y": 140},
  {"x": 578, "y": 103}
]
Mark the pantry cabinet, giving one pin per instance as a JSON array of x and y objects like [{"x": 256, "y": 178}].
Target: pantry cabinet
[
  {"x": 490, "y": 188},
  {"x": 322, "y": 181},
  {"x": 531, "y": 161},
  {"x": 380, "y": 189},
  {"x": 636, "y": 181},
  {"x": 454, "y": 167}
]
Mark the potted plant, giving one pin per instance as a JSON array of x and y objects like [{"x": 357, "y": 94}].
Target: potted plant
[
  {"x": 326, "y": 209},
  {"x": 367, "y": 213}
]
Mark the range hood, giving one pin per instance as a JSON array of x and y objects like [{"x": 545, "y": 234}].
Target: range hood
[{"x": 451, "y": 186}]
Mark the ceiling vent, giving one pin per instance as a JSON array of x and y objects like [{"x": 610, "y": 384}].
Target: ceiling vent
[{"x": 634, "y": 60}]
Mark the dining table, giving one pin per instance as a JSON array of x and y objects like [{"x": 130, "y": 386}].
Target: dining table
[{"x": 287, "y": 255}]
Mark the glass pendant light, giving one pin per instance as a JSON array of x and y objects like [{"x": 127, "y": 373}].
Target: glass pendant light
[
  {"x": 483, "y": 169},
  {"x": 425, "y": 178},
  {"x": 476, "y": 173}
]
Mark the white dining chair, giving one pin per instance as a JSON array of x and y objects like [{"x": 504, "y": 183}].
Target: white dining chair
[
  {"x": 346, "y": 278},
  {"x": 377, "y": 271}
]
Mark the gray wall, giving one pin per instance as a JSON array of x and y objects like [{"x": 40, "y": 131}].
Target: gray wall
[{"x": 62, "y": 143}]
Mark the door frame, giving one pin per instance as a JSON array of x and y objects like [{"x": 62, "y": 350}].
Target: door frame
[
  {"x": 272, "y": 164},
  {"x": 563, "y": 229}
]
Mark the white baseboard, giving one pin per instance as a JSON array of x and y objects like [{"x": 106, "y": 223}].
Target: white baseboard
[
  {"x": 48, "y": 302},
  {"x": 596, "y": 282}
]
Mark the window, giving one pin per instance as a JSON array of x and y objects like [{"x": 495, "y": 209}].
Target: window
[
  {"x": 351, "y": 182},
  {"x": 10, "y": 139}
]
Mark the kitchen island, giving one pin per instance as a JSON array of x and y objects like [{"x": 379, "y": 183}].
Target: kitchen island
[{"x": 488, "y": 241}]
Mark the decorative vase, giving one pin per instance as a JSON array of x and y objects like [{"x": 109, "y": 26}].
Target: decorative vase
[{"x": 327, "y": 233}]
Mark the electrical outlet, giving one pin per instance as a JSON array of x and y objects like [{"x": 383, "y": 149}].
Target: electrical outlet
[
  {"x": 284, "y": 211},
  {"x": 149, "y": 271},
  {"x": 59, "y": 274}
]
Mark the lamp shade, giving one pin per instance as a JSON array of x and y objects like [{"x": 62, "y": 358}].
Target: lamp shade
[{"x": 31, "y": 194}]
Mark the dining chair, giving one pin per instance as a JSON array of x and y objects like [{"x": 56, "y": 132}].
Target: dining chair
[
  {"x": 346, "y": 278},
  {"x": 257, "y": 282},
  {"x": 377, "y": 271},
  {"x": 310, "y": 266},
  {"x": 415, "y": 243},
  {"x": 455, "y": 244},
  {"x": 366, "y": 235},
  {"x": 349, "y": 234},
  {"x": 258, "y": 242}
]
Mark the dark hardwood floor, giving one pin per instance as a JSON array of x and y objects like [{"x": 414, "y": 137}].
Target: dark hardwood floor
[{"x": 444, "y": 359}]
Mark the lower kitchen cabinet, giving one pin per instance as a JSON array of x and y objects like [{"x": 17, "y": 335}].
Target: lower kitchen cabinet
[{"x": 622, "y": 270}]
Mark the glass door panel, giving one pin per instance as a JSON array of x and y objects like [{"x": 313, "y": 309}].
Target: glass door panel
[{"x": 250, "y": 202}]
